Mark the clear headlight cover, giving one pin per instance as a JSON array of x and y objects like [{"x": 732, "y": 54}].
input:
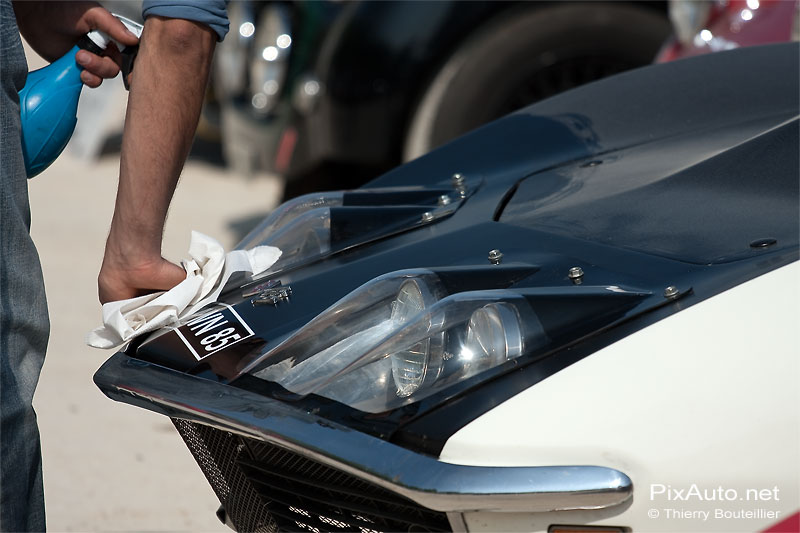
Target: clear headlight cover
[
  {"x": 339, "y": 336},
  {"x": 317, "y": 225},
  {"x": 301, "y": 228},
  {"x": 399, "y": 339},
  {"x": 286, "y": 213}
]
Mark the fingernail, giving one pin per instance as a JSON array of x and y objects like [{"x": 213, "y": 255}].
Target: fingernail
[{"x": 83, "y": 59}]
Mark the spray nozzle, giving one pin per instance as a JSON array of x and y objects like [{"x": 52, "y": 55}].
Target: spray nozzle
[{"x": 101, "y": 39}]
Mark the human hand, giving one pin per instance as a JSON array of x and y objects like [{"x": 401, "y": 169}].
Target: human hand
[
  {"x": 120, "y": 279},
  {"x": 52, "y": 28}
]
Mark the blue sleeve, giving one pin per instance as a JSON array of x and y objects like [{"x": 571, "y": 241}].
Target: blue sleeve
[{"x": 212, "y": 13}]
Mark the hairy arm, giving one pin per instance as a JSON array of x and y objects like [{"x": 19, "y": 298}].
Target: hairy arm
[{"x": 166, "y": 96}]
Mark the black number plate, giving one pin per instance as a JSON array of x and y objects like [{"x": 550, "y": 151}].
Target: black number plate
[{"x": 213, "y": 332}]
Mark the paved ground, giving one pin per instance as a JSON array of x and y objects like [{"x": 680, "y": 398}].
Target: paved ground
[{"x": 109, "y": 466}]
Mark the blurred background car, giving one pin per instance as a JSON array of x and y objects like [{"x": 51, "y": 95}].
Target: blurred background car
[{"x": 330, "y": 94}]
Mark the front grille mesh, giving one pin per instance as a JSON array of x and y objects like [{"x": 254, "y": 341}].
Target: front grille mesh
[
  {"x": 265, "y": 488},
  {"x": 217, "y": 452}
]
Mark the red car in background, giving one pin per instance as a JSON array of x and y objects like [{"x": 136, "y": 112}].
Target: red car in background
[{"x": 702, "y": 26}]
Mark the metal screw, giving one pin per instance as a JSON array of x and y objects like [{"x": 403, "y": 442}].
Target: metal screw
[
  {"x": 444, "y": 200},
  {"x": 458, "y": 180},
  {"x": 671, "y": 292},
  {"x": 575, "y": 273},
  {"x": 495, "y": 256},
  {"x": 427, "y": 217}
]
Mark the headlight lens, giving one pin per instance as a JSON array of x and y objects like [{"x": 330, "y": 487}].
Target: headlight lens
[
  {"x": 316, "y": 225},
  {"x": 339, "y": 339},
  {"x": 422, "y": 361},
  {"x": 396, "y": 340},
  {"x": 287, "y": 213},
  {"x": 493, "y": 336},
  {"x": 299, "y": 227}
]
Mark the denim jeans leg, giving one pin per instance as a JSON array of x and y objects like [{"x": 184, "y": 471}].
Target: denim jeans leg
[{"x": 24, "y": 324}]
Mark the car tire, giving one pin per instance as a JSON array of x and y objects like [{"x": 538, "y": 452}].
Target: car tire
[{"x": 527, "y": 54}]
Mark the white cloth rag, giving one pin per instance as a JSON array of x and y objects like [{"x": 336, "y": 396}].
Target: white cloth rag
[{"x": 207, "y": 272}]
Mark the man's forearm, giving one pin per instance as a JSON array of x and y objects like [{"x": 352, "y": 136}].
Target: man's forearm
[
  {"x": 167, "y": 90},
  {"x": 166, "y": 95}
]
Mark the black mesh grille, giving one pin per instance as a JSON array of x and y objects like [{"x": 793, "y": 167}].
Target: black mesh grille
[
  {"x": 267, "y": 488},
  {"x": 216, "y": 452}
]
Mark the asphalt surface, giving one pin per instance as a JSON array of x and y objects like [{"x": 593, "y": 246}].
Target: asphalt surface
[{"x": 109, "y": 466}]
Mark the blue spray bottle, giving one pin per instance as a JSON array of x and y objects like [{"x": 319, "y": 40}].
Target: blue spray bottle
[{"x": 49, "y": 102}]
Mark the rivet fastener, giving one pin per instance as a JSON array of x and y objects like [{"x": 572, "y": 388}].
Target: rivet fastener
[
  {"x": 671, "y": 292},
  {"x": 495, "y": 256},
  {"x": 427, "y": 217}
]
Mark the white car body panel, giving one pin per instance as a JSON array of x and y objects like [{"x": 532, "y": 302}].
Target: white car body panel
[{"x": 705, "y": 399}]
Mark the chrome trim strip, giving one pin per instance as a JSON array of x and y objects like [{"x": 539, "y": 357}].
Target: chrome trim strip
[{"x": 431, "y": 483}]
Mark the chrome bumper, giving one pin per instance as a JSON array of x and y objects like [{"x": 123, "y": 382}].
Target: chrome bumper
[{"x": 431, "y": 483}]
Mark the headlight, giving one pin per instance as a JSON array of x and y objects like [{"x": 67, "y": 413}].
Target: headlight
[
  {"x": 337, "y": 340},
  {"x": 316, "y": 225},
  {"x": 286, "y": 213},
  {"x": 493, "y": 336},
  {"x": 399, "y": 339},
  {"x": 421, "y": 362},
  {"x": 299, "y": 227}
]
